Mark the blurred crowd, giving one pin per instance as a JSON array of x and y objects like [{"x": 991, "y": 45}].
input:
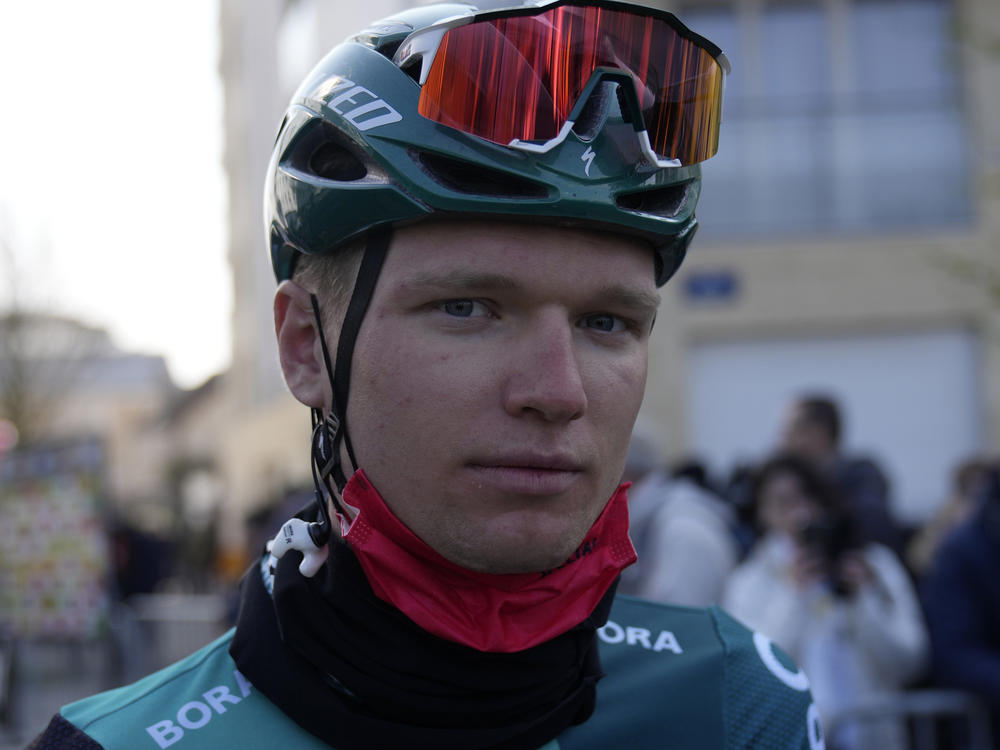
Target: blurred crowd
[{"x": 804, "y": 548}]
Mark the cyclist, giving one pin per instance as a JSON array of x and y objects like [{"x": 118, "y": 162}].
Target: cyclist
[{"x": 469, "y": 214}]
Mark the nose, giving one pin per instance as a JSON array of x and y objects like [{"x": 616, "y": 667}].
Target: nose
[{"x": 544, "y": 372}]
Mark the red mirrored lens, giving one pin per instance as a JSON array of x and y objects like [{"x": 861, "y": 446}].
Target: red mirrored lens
[{"x": 519, "y": 77}]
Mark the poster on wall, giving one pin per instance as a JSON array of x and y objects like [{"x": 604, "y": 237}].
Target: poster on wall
[{"x": 54, "y": 559}]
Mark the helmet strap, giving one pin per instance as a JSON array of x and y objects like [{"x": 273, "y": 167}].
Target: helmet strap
[{"x": 330, "y": 432}]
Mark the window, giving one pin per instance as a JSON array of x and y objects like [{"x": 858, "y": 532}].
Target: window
[{"x": 840, "y": 115}]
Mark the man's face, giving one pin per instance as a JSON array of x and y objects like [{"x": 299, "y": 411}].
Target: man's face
[{"x": 495, "y": 382}]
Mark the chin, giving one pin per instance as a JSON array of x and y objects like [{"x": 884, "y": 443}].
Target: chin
[
  {"x": 535, "y": 540},
  {"x": 521, "y": 556}
]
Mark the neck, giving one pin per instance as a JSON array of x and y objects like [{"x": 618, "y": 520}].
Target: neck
[{"x": 365, "y": 675}]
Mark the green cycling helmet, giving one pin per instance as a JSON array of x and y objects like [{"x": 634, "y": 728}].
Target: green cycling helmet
[{"x": 411, "y": 119}]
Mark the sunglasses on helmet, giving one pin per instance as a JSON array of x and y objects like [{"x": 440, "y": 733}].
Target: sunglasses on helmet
[{"x": 521, "y": 78}]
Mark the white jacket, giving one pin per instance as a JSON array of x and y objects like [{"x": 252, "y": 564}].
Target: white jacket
[
  {"x": 852, "y": 649},
  {"x": 683, "y": 536}
]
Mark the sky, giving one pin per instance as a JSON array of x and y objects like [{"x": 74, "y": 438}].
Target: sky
[{"x": 112, "y": 192}]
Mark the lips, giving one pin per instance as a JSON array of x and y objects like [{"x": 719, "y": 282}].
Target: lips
[
  {"x": 543, "y": 461},
  {"x": 527, "y": 473}
]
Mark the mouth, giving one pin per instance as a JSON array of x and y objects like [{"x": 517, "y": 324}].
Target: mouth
[{"x": 527, "y": 474}]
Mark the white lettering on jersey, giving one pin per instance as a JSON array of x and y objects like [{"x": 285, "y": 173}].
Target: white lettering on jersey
[
  {"x": 667, "y": 642},
  {"x": 242, "y": 682},
  {"x": 637, "y": 635},
  {"x": 368, "y": 110},
  {"x": 765, "y": 649},
  {"x": 613, "y": 633},
  {"x": 202, "y": 713},
  {"x": 196, "y": 714},
  {"x": 165, "y": 732},
  {"x": 814, "y": 729},
  {"x": 219, "y": 695},
  {"x": 796, "y": 680}
]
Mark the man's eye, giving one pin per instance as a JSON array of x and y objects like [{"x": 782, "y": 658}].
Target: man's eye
[
  {"x": 604, "y": 323},
  {"x": 463, "y": 308}
]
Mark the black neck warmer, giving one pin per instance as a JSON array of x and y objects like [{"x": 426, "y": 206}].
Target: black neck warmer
[{"x": 357, "y": 673}]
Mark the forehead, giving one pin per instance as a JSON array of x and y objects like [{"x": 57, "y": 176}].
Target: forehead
[{"x": 539, "y": 254}]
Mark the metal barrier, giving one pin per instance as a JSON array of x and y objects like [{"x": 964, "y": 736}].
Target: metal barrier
[
  {"x": 7, "y": 650},
  {"x": 923, "y": 715},
  {"x": 175, "y": 625}
]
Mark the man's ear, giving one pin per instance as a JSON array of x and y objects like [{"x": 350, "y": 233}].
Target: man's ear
[{"x": 299, "y": 350}]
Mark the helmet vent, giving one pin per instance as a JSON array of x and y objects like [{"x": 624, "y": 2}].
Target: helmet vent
[
  {"x": 320, "y": 151},
  {"x": 474, "y": 179},
  {"x": 334, "y": 162},
  {"x": 663, "y": 202},
  {"x": 412, "y": 69},
  {"x": 388, "y": 49}
]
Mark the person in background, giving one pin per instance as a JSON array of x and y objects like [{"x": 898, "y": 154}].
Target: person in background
[
  {"x": 969, "y": 482},
  {"x": 844, "y": 608},
  {"x": 682, "y": 533},
  {"x": 813, "y": 429},
  {"x": 961, "y": 598},
  {"x": 737, "y": 491}
]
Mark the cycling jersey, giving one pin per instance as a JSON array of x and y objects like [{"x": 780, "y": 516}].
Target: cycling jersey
[{"x": 674, "y": 677}]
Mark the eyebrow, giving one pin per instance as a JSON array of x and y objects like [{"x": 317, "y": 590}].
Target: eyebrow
[
  {"x": 637, "y": 299},
  {"x": 463, "y": 281},
  {"x": 460, "y": 279}
]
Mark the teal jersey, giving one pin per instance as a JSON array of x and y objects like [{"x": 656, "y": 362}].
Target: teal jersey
[{"x": 676, "y": 677}]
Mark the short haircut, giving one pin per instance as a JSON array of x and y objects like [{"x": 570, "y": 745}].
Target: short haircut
[
  {"x": 330, "y": 276},
  {"x": 822, "y": 411}
]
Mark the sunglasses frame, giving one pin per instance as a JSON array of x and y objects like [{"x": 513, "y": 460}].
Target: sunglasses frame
[{"x": 423, "y": 44}]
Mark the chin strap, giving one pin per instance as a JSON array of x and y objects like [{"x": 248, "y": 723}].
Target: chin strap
[{"x": 330, "y": 431}]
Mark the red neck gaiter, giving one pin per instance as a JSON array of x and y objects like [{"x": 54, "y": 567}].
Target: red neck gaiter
[{"x": 487, "y": 612}]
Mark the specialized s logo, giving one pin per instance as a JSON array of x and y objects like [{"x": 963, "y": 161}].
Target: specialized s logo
[
  {"x": 588, "y": 158},
  {"x": 356, "y": 104}
]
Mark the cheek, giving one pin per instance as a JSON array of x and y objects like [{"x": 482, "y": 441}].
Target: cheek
[
  {"x": 614, "y": 397},
  {"x": 407, "y": 394},
  {"x": 615, "y": 391}
]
